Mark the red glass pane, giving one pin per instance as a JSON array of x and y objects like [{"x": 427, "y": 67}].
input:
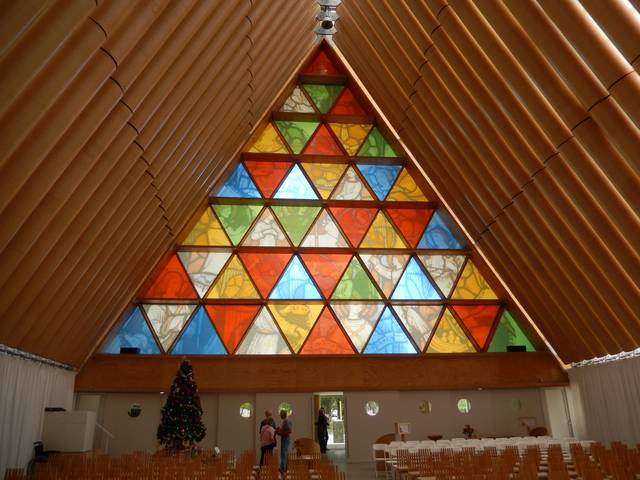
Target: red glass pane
[
  {"x": 322, "y": 143},
  {"x": 171, "y": 283},
  {"x": 321, "y": 65},
  {"x": 354, "y": 221},
  {"x": 231, "y": 321},
  {"x": 267, "y": 175},
  {"x": 347, "y": 105},
  {"x": 411, "y": 222},
  {"x": 265, "y": 268},
  {"x": 326, "y": 269},
  {"x": 478, "y": 319},
  {"x": 327, "y": 338}
]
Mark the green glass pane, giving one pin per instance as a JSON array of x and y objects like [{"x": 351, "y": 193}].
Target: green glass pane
[
  {"x": 236, "y": 219},
  {"x": 296, "y": 220},
  {"x": 376, "y": 146},
  {"x": 355, "y": 284},
  {"x": 323, "y": 96},
  {"x": 297, "y": 134},
  {"x": 509, "y": 333}
]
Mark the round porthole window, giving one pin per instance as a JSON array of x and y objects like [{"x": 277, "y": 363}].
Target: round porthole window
[
  {"x": 286, "y": 406},
  {"x": 246, "y": 409},
  {"x": 424, "y": 407},
  {"x": 464, "y": 405},
  {"x": 372, "y": 408}
]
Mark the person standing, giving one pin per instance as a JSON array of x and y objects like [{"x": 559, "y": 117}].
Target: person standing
[
  {"x": 323, "y": 435},
  {"x": 284, "y": 430},
  {"x": 267, "y": 440}
]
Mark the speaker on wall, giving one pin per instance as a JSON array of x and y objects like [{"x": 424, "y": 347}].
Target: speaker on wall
[
  {"x": 134, "y": 350},
  {"x": 516, "y": 348}
]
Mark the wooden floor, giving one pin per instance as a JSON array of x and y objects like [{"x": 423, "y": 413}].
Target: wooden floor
[{"x": 355, "y": 471}]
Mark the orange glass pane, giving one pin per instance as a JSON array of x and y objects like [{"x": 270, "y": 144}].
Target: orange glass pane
[
  {"x": 231, "y": 321},
  {"x": 347, "y": 105},
  {"x": 327, "y": 338},
  {"x": 171, "y": 283},
  {"x": 478, "y": 319},
  {"x": 265, "y": 268},
  {"x": 326, "y": 269},
  {"x": 267, "y": 175},
  {"x": 354, "y": 221},
  {"x": 321, "y": 65},
  {"x": 411, "y": 222},
  {"x": 322, "y": 143}
]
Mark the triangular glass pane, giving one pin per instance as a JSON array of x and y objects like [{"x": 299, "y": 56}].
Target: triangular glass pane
[
  {"x": 296, "y": 186},
  {"x": 406, "y": 189},
  {"x": 324, "y": 176},
  {"x": 171, "y": 283},
  {"x": 354, "y": 221},
  {"x": 233, "y": 282},
  {"x": 358, "y": 320},
  {"x": 325, "y": 233},
  {"x": 439, "y": 235},
  {"x": 376, "y": 146},
  {"x": 269, "y": 142},
  {"x": 419, "y": 321},
  {"x": 295, "y": 320},
  {"x": 450, "y": 337},
  {"x": 327, "y": 338},
  {"x": 414, "y": 285},
  {"x": 385, "y": 269},
  {"x": 263, "y": 338},
  {"x": 389, "y": 337},
  {"x": 203, "y": 267},
  {"x": 295, "y": 220},
  {"x": 133, "y": 332},
  {"x": 167, "y": 321},
  {"x": 236, "y": 219},
  {"x": 326, "y": 269},
  {"x": 351, "y": 187},
  {"x": 265, "y": 268},
  {"x": 199, "y": 338},
  {"x": 323, "y": 96},
  {"x": 411, "y": 222},
  {"x": 355, "y": 284},
  {"x": 239, "y": 185},
  {"x": 297, "y": 102},
  {"x": 509, "y": 333},
  {"x": 266, "y": 232},
  {"x": 443, "y": 269},
  {"x": 478, "y": 319},
  {"x": 321, "y": 65},
  {"x": 351, "y": 135},
  {"x": 295, "y": 284},
  {"x": 267, "y": 175},
  {"x": 381, "y": 234},
  {"x": 207, "y": 232},
  {"x": 347, "y": 105},
  {"x": 380, "y": 177},
  {"x": 472, "y": 285},
  {"x": 322, "y": 143},
  {"x": 232, "y": 321},
  {"x": 297, "y": 134}
]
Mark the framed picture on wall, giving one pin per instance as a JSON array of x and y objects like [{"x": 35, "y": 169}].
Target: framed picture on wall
[{"x": 402, "y": 428}]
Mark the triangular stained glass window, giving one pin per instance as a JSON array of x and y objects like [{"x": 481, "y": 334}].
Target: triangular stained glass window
[
  {"x": 478, "y": 319},
  {"x": 323, "y": 95},
  {"x": 358, "y": 320},
  {"x": 438, "y": 235},
  {"x": 171, "y": 283},
  {"x": 376, "y": 146},
  {"x": 267, "y": 175},
  {"x": 297, "y": 134},
  {"x": 419, "y": 321},
  {"x": 295, "y": 283},
  {"x": 411, "y": 222},
  {"x": 203, "y": 267},
  {"x": 472, "y": 285},
  {"x": 381, "y": 234},
  {"x": 263, "y": 337},
  {"x": 354, "y": 221},
  {"x": 355, "y": 284},
  {"x": 266, "y": 232},
  {"x": 296, "y": 186},
  {"x": 134, "y": 333},
  {"x": 321, "y": 65},
  {"x": 297, "y": 102},
  {"x": 231, "y": 321},
  {"x": 380, "y": 177},
  {"x": 264, "y": 268},
  {"x": 236, "y": 219},
  {"x": 414, "y": 284},
  {"x": 295, "y": 220},
  {"x": 326, "y": 269},
  {"x": 449, "y": 337},
  {"x": 233, "y": 283},
  {"x": 509, "y": 333},
  {"x": 443, "y": 269},
  {"x": 199, "y": 337},
  {"x": 347, "y": 104},
  {"x": 385, "y": 269},
  {"x": 351, "y": 187},
  {"x": 295, "y": 320},
  {"x": 268, "y": 142},
  {"x": 327, "y": 338},
  {"x": 239, "y": 185},
  {"x": 324, "y": 176},
  {"x": 322, "y": 143},
  {"x": 406, "y": 189},
  {"x": 325, "y": 233},
  {"x": 207, "y": 232},
  {"x": 351, "y": 135},
  {"x": 167, "y": 321},
  {"x": 389, "y": 337}
]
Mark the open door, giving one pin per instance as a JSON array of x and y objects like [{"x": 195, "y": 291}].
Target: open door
[{"x": 334, "y": 407}]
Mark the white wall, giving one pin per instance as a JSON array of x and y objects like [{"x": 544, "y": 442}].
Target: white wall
[{"x": 555, "y": 409}]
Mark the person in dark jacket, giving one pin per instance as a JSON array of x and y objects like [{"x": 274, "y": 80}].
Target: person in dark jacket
[{"x": 323, "y": 434}]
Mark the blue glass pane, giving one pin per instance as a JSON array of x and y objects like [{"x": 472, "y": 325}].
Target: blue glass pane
[
  {"x": 239, "y": 185},
  {"x": 133, "y": 332},
  {"x": 438, "y": 235},
  {"x": 414, "y": 285},
  {"x": 380, "y": 177},
  {"x": 296, "y": 186},
  {"x": 295, "y": 283},
  {"x": 200, "y": 338},
  {"x": 389, "y": 337}
]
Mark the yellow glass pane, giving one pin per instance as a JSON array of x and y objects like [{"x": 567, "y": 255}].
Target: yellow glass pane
[
  {"x": 324, "y": 176},
  {"x": 449, "y": 337},
  {"x": 351, "y": 135},
  {"x": 233, "y": 282},
  {"x": 381, "y": 234},
  {"x": 472, "y": 285},
  {"x": 269, "y": 142},
  {"x": 207, "y": 231},
  {"x": 295, "y": 320},
  {"x": 406, "y": 189}
]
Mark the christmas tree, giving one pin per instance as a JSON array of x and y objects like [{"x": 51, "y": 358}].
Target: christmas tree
[{"x": 181, "y": 425}]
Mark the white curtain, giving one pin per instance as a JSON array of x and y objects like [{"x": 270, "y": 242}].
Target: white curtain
[
  {"x": 608, "y": 398},
  {"x": 26, "y": 388}
]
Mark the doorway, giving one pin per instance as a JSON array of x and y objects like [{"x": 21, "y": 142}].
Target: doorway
[{"x": 334, "y": 408}]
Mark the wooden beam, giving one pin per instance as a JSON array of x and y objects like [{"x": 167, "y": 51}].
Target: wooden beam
[{"x": 132, "y": 373}]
